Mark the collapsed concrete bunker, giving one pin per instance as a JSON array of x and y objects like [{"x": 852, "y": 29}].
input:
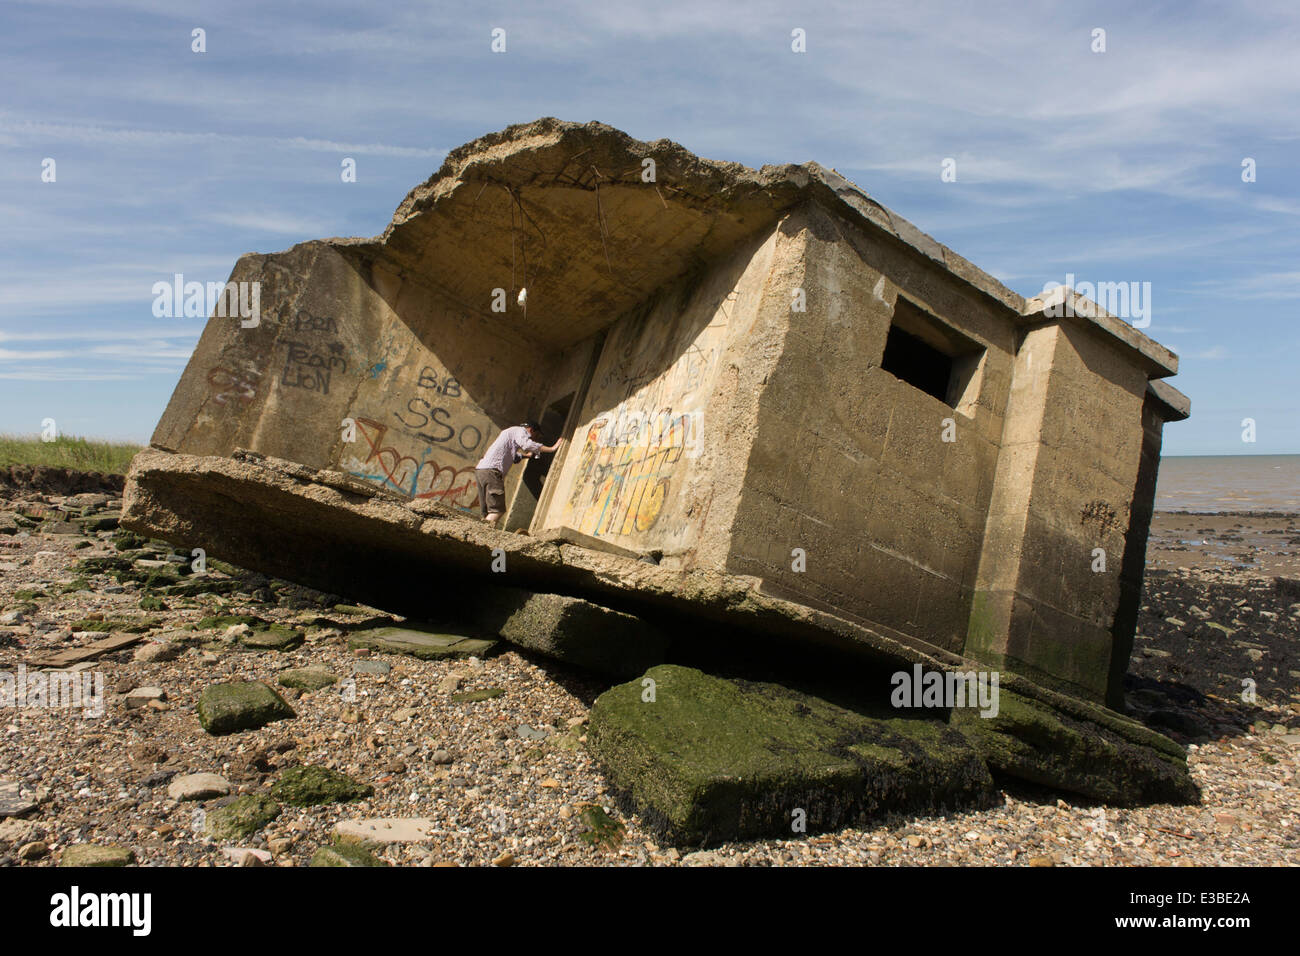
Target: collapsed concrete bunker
[{"x": 788, "y": 412}]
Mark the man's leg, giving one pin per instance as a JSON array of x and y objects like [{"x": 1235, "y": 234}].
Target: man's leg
[
  {"x": 481, "y": 479},
  {"x": 494, "y": 494}
]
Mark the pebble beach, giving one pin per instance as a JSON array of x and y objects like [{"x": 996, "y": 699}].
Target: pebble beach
[{"x": 482, "y": 761}]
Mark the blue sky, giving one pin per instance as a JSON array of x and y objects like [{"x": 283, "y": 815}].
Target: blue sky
[{"x": 1115, "y": 166}]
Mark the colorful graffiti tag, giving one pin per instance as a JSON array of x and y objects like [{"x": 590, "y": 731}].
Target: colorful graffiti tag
[
  {"x": 620, "y": 488},
  {"x": 420, "y": 477}
]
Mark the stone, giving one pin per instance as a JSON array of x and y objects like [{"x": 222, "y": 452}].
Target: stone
[
  {"x": 87, "y": 854},
  {"x": 198, "y": 786},
  {"x": 1287, "y": 588},
  {"x": 142, "y": 696},
  {"x": 345, "y": 854},
  {"x": 309, "y": 786},
  {"x": 382, "y": 830},
  {"x": 1081, "y": 748},
  {"x": 602, "y": 830},
  {"x": 474, "y": 696},
  {"x": 703, "y": 858},
  {"x": 449, "y": 684},
  {"x": 158, "y": 653},
  {"x": 12, "y": 804},
  {"x": 403, "y": 714},
  {"x": 306, "y": 678},
  {"x": 426, "y": 645},
  {"x": 378, "y": 668},
  {"x": 241, "y": 818},
  {"x": 272, "y": 639},
  {"x": 583, "y": 633},
  {"x": 33, "y": 851},
  {"x": 712, "y": 760},
  {"x": 227, "y": 708},
  {"x": 15, "y": 830},
  {"x": 246, "y": 855}
]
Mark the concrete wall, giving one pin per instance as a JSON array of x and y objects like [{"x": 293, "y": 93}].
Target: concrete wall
[
  {"x": 1065, "y": 483},
  {"x": 849, "y": 462},
  {"x": 427, "y": 383},
  {"x": 655, "y": 446}
]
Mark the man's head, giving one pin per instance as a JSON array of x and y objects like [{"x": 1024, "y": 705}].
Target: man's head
[{"x": 534, "y": 430}]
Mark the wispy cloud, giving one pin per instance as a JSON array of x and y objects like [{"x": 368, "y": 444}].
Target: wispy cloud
[
  {"x": 27, "y": 132},
  {"x": 278, "y": 223}
]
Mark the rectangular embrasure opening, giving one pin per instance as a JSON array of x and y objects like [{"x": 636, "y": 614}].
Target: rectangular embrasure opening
[{"x": 931, "y": 355}]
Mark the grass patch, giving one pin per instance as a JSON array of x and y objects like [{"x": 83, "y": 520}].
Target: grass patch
[
  {"x": 90, "y": 626},
  {"x": 80, "y": 454},
  {"x": 130, "y": 627}
]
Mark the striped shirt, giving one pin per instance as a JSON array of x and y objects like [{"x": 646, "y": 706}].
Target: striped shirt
[{"x": 505, "y": 450}]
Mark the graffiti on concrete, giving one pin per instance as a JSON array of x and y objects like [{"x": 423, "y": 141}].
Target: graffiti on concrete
[
  {"x": 308, "y": 367},
  {"x": 416, "y": 476},
  {"x": 430, "y": 417},
  {"x": 238, "y": 384},
  {"x": 621, "y": 485},
  {"x": 632, "y": 454}
]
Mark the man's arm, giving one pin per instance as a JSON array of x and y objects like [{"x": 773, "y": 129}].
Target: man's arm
[{"x": 539, "y": 448}]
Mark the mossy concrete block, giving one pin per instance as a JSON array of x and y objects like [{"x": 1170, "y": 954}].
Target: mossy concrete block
[
  {"x": 306, "y": 678},
  {"x": 585, "y": 634},
  {"x": 1086, "y": 750},
  {"x": 711, "y": 759},
  {"x": 426, "y": 645},
  {"x": 310, "y": 786},
  {"x": 273, "y": 638},
  {"x": 227, "y": 708},
  {"x": 85, "y": 854},
  {"x": 242, "y": 817},
  {"x": 100, "y": 522},
  {"x": 345, "y": 854}
]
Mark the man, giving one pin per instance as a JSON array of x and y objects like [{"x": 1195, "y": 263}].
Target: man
[{"x": 518, "y": 441}]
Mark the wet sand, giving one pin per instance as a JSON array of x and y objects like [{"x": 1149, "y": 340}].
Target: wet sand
[{"x": 1250, "y": 544}]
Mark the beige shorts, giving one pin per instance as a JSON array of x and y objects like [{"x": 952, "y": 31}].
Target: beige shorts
[{"x": 491, "y": 490}]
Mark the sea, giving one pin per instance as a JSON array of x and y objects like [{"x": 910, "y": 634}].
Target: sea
[{"x": 1229, "y": 483}]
